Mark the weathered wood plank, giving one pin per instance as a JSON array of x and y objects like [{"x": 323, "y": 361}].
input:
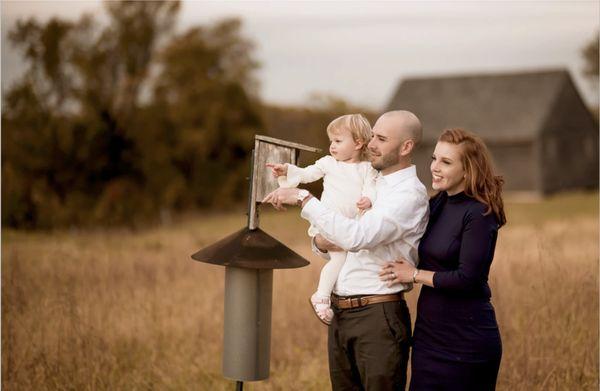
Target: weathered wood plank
[{"x": 287, "y": 143}]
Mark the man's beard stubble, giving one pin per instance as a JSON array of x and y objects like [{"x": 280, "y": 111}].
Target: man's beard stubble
[{"x": 386, "y": 161}]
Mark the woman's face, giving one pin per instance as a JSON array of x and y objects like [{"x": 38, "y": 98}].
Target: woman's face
[{"x": 446, "y": 168}]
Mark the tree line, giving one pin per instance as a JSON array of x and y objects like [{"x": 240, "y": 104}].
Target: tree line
[{"x": 115, "y": 123}]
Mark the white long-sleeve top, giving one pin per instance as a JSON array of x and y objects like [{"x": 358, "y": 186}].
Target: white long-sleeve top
[
  {"x": 343, "y": 183},
  {"x": 391, "y": 229}
]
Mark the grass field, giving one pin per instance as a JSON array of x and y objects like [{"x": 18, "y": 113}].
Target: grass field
[{"x": 129, "y": 310}]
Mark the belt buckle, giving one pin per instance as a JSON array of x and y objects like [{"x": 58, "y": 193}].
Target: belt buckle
[{"x": 357, "y": 302}]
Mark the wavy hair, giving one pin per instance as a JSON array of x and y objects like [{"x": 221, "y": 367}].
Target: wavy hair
[
  {"x": 358, "y": 126},
  {"x": 480, "y": 181}
]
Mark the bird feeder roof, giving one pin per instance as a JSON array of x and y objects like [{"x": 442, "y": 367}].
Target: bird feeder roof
[{"x": 254, "y": 249}]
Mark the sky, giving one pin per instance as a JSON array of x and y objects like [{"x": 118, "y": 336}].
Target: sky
[{"x": 361, "y": 51}]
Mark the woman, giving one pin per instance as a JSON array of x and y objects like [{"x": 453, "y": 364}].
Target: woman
[{"x": 457, "y": 344}]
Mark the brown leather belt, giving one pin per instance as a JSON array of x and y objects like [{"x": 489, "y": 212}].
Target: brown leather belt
[{"x": 347, "y": 302}]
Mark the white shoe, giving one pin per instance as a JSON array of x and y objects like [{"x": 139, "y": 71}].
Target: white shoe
[{"x": 321, "y": 305}]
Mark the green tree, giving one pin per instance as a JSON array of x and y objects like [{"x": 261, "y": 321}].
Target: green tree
[
  {"x": 207, "y": 90},
  {"x": 116, "y": 121}
]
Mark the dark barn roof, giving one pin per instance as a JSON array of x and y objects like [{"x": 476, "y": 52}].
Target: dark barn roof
[{"x": 498, "y": 107}]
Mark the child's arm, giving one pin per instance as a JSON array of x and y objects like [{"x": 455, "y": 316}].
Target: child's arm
[
  {"x": 295, "y": 175},
  {"x": 278, "y": 169},
  {"x": 368, "y": 190}
]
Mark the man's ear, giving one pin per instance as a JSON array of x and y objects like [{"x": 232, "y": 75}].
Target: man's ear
[{"x": 407, "y": 147}]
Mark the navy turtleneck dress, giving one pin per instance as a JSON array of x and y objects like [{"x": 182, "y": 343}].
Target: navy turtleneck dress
[{"x": 457, "y": 344}]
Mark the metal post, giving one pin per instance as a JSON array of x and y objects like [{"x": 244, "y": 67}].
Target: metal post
[{"x": 247, "y": 326}]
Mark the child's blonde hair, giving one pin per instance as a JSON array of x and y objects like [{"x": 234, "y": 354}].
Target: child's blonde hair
[{"x": 358, "y": 126}]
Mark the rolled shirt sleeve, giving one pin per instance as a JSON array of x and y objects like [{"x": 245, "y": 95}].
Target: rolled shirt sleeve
[{"x": 315, "y": 249}]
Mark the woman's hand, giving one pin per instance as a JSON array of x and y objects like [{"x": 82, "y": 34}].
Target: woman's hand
[{"x": 399, "y": 271}]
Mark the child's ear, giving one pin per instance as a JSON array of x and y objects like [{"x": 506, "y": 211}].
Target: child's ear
[{"x": 358, "y": 145}]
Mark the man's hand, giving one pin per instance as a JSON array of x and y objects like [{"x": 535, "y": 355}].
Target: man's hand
[
  {"x": 278, "y": 169},
  {"x": 364, "y": 203},
  {"x": 325, "y": 245},
  {"x": 282, "y": 196}
]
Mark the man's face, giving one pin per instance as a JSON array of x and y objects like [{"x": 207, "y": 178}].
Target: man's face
[{"x": 385, "y": 145}]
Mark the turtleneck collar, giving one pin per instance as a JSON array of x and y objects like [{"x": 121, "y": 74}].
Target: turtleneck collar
[{"x": 458, "y": 197}]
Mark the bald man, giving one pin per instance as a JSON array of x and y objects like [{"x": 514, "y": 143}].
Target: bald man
[{"x": 368, "y": 339}]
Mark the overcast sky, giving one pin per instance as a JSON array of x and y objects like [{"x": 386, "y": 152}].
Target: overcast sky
[{"x": 361, "y": 50}]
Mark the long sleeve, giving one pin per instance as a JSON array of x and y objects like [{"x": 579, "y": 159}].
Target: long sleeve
[
  {"x": 476, "y": 254},
  {"x": 406, "y": 213},
  {"x": 296, "y": 175},
  {"x": 315, "y": 249},
  {"x": 369, "y": 189}
]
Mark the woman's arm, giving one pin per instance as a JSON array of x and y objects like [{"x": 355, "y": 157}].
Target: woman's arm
[
  {"x": 476, "y": 253},
  {"x": 478, "y": 243}
]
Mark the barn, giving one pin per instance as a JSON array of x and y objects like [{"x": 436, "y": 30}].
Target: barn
[{"x": 541, "y": 134}]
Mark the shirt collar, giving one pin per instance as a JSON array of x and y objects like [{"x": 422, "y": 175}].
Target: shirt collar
[{"x": 398, "y": 176}]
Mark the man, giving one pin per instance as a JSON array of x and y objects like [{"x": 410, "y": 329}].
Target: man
[{"x": 368, "y": 340}]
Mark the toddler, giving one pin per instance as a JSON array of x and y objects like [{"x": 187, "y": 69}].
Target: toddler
[{"x": 348, "y": 187}]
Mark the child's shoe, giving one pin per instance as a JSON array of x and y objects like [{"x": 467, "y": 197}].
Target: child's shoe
[{"x": 322, "y": 307}]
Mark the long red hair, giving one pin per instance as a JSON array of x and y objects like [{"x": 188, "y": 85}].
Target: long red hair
[{"x": 480, "y": 181}]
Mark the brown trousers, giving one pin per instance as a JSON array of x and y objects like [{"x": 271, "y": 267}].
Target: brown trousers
[{"x": 369, "y": 347}]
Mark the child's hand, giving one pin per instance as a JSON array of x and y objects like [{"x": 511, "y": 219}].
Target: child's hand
[
  {"x": 278, "y": 169},
  {"x": 364, "y": 203}
]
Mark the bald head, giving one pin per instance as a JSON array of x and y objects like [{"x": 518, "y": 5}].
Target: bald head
[
  {"x": 395, "y": 135},
  {"x": 403, "y": 124}
]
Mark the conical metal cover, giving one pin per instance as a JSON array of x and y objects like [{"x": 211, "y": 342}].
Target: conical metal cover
[{"x": 253, "y": 249}]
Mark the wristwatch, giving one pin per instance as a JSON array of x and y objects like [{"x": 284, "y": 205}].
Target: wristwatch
[{"x": 302, "y": 194}]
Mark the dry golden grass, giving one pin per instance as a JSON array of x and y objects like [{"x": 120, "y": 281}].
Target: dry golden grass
[{"x": 129, "y": 310}]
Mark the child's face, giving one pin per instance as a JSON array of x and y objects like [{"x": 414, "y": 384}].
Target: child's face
[{"x": 343, "y": 147}]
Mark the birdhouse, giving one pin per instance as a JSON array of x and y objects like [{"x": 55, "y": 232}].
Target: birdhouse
[{"x": 249, "y": 257}]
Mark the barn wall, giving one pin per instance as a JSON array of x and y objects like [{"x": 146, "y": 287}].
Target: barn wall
[
  {"x": 515, "y": 161},
  {"x": 569, "y": 145},
  {"x": 422, "y": 159}
]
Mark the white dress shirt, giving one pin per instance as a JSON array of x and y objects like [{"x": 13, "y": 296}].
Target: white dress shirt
[{"x": 391, "y": 229}]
